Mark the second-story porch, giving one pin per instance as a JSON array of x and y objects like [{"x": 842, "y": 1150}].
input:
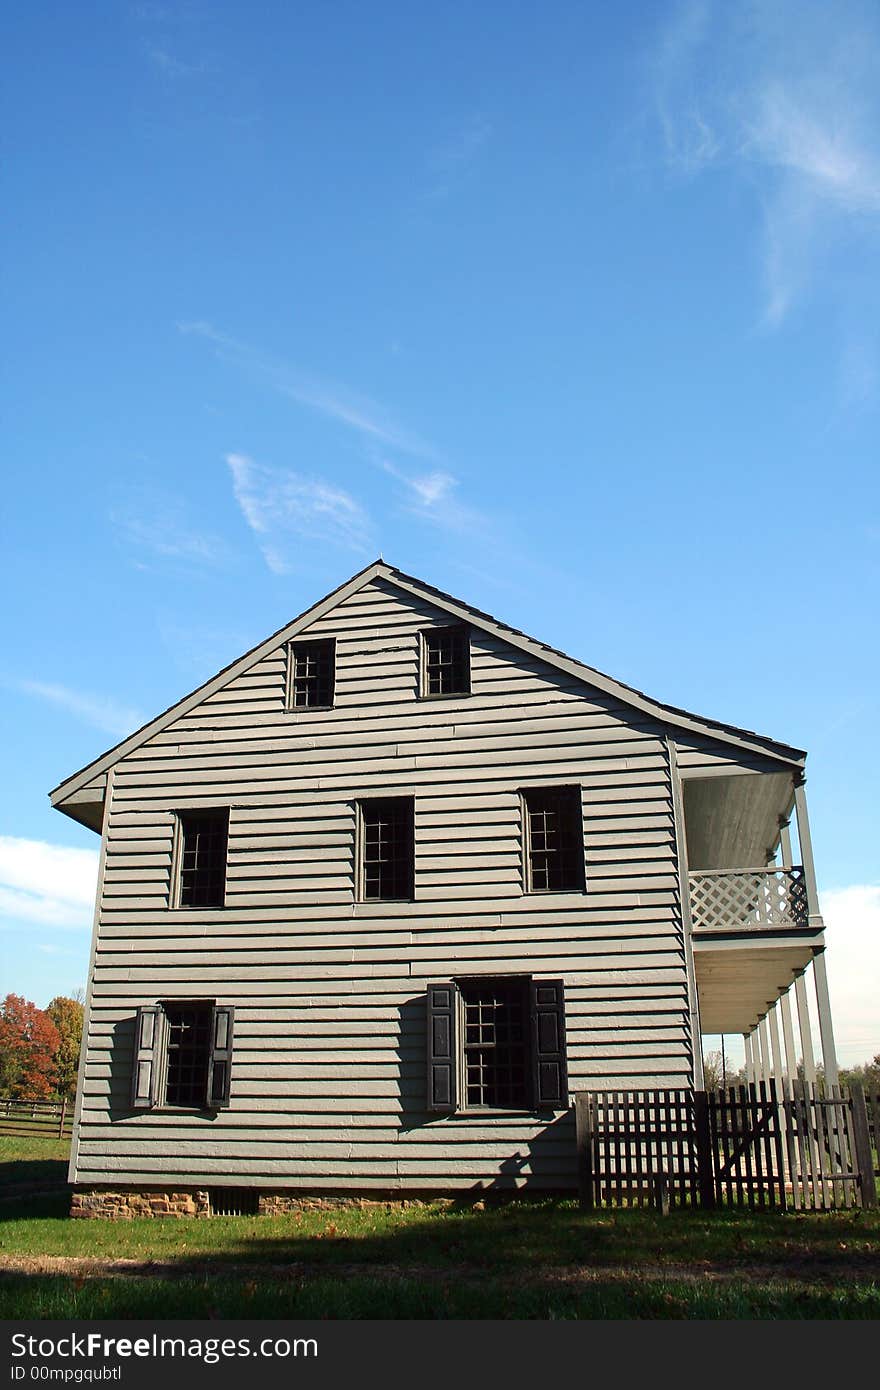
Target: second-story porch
[{"x": 753, "y": 915}]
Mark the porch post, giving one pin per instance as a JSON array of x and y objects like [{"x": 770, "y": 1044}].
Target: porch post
[
  {"x": 788, "y": 1040},
  {"x": 765, "y": 1050},
  {"x": 785, "y": 843},
  {"x": 800, "y": 994},
  {"x": 826, "y": 1032},
  {"x": 778, "y": 1069},
  {"x": 784, "y": 1156},
  {"x": 750, "y": 1065},
  {"x": 803, "y": 825}
]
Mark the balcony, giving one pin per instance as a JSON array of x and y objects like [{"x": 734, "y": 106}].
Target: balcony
[
  {"x": 755, "y": 930},
  {"x": 748, "y": 900}
]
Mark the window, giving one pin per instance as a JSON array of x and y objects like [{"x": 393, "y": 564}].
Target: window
[
  {"x": 446, "y": 661},
  {"x": 495, "y": 1057},
  {"x": 201, "y": 857},
  {"x": 182, "y": 1055},
  {"x": 496, "y": 1043},
  {"x": 312, "y": 674},
  {"x": 386, "y": 849},
  {"x": 188, "y": 1045},
  {"x": 554, "y": 840}
]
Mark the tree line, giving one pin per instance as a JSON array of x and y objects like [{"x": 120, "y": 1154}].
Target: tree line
[
  {"x": 39, "y": 1048},
  {"x": 867, "y": 1073}
]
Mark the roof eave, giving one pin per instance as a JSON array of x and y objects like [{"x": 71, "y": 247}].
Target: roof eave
[{"x": 60, "y": 795}]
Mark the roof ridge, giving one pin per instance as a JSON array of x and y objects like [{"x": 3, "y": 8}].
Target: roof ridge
[
  {"x": 593, "y": 670},
  {"x": 380, "y": 568}
]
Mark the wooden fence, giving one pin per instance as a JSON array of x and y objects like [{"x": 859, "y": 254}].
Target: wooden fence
[
  {"x": 872, "y": 1101},
  {"x": 748, "y": 1146},
  {"x": 50, "y": 1118},
  {"x": 637, "y": 1147}
]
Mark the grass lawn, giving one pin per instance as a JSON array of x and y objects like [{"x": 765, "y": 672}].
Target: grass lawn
[
  {"x": 31, "y": 1160},
  {"x": 522, "y": 1259}
]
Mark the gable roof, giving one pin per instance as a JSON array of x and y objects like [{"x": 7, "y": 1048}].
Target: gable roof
[{"x": 668, "y": 714}]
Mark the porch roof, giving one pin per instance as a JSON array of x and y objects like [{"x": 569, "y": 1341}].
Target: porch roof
[
  {"x": 737, "y": 980},
  {"x": 732, "y": 821}
]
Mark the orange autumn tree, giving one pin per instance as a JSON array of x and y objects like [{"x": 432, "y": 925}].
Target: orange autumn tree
[{"x": 29, "y": 1042}]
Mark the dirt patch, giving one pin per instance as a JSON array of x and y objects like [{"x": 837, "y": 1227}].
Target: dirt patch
[{"x": 859, "y": 1269}]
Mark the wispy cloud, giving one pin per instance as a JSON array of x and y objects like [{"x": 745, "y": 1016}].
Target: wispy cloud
[
  {"x": 46, "y": 883},
  {"x": 168, "y": 63},
  {"x": 432, "y": 496},
  {"x": 164, "y": 29},
  {"x": 280, "y": 505},
  {"x": 285, "y": 509},
  {"x": 154, "y": 523},
  {"x": 100, "y": 711},
  {"x": 452, "y": 159},
  {"x": 859, "y": 371},
  {"x": 690, "y": 142},
  {"x": 789, "y": 96},
  {"x": 331, "y": 399}
]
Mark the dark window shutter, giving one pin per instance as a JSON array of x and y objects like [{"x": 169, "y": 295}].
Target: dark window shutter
[
  {"x": 146, "y": 1057},
  {"x": 549, "y": 1070},
  {"x": 441, "y": 1047},
  {"x": 220, "y": 1061}
]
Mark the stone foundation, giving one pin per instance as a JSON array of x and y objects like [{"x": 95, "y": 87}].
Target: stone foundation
[
  {"x": 123, "y": 1206},
  {"x": 281, "y": 1203}
]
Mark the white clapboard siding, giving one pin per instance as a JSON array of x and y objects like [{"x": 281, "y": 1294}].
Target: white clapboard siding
[{"x": 328, "y": 1070}]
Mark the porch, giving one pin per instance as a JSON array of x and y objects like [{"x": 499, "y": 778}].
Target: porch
[{"x": 752, "y": 914}]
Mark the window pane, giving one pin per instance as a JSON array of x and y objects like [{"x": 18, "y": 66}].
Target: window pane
[
  {"x": 387, "y": 863},
  {"x": 555, "y": 840},
  {"x": 313, "y": 674},
  {"x": 204, "y": 836},
  {"x": 495, "y": 1043},
  {"x": 189, "y": 1044},
  {"x": 447, "y": 661}
]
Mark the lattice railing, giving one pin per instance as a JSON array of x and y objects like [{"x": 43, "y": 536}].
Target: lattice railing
[{"x": 748, "y": 899}]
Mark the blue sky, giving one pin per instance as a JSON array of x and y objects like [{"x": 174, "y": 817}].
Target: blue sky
[{"x": 573, "y": 312}]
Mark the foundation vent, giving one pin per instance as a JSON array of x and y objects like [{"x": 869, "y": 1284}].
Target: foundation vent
[{"x": 234, "y": 1201}]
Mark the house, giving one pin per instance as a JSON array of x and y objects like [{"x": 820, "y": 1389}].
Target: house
[{"x": 376, "y": 900}]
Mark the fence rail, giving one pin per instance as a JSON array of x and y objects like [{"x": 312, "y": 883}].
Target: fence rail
[
  {"x": 50, "y": 1118},
  {"x": 748, "y": 899},
  {"x": 751, "y": 1146},
  {"x": 872, "y": 1102}
]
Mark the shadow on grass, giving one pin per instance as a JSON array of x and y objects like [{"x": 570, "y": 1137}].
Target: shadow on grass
[
  {"x": 406, "y": 1296},
  {"x": 515, "y": 1259},
  {"x": 509, "y": 1239},
  {"x": 24, "y": 1175}
]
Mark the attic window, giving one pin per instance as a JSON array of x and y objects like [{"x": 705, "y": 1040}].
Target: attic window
[
  {"x": 446, "y": 661},
  {"x": 312, "y": 674}
]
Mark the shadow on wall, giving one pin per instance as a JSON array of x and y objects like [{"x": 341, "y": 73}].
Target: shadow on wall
[
  {"x": 542, "y": 1142},
  {"x": 121, "y": 1061},
  {"x": 121, "y": 1064}
]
